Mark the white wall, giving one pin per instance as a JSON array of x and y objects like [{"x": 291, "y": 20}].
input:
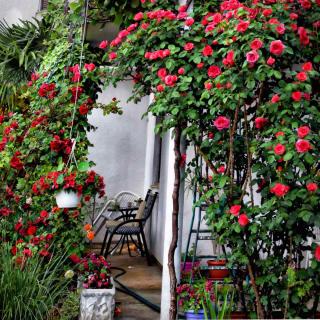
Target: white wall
[{"x": 13, "y": 10}]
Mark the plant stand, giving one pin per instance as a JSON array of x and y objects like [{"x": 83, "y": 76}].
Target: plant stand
[{"x": 97, "y": 304}]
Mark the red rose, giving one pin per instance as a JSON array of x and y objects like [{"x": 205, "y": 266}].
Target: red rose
[
  {"x": 243, "y": 220},
  {"x": 181, "y": 71},
  {"x": 279, "y": 149},
  {"x": 5, "y": 212},
  {"x": 243, "y": 26},
  {"x": 31, "y": 230},
  {"x": 302, "y": 76},
  {"x": 235, "y": 210},
  {"x": 27, "y": 252},
  {"x": 296, "y": 95},
  {"x": 221, "y": 169},
  {"x": 271, "y": 61},
  {"x": 279, "y": 133},
  {"x": 44, "y": 214},
  {"x": 307, "y": 66},
  {"x": 260, "y": 122},
  {"x": 160, "y": 88},
  {"x": 188, "y": 46},
  {"x": 303, "y": 131},
  {"x": 83, "y": 109},
  {"x": 303, "y": 146},
  {"x": 252, "y": 56},
  {"x": 207, "y": 51},
  {"x": 170, "y": 80},
  {"x": 112, "y": 55},
  {"x": 103, "y": 44},
  {"x": 256, "y": 44},
  {"x": 277, "y": 47},
  {"x": 275, "y": 98},
  {"x": 208, "y": 85},
  {"x": 293, "y": 16},
  {"x": 89, "y": 66},
  {"x": 138, "y": 16},
  {"x": 214, "y": 71},
  {"x": 312, "y": 187},
  {"x": 15, "y": 161},
  {"x": 317, "y": 253},
  {"x": 222, "y": 123},
  {"x": 200, "y": 65},
  {"x": 279, "y": 189},
  {"x": 267, "y": 12},
  {"x": 228, "y": 61},
  {"x": 303, "y": 36},
  {"x": 281, "y": 28},
  {"x": 162, "y": 72},
  {"x": 74, "y": 258},
  {"x": 189, "y": 22}
]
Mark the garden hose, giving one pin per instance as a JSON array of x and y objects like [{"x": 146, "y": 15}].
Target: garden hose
[{"x": 132, "y": 293}]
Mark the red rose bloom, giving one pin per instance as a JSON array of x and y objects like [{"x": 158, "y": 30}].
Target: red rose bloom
[
  {"x": 162, "y": 72},
  {"x": 228, "y": 61},
  {"x": 279, "y": 189},
  {"x": 243, "y": 220},
  {"x": 208, "y": 85},
  {"x": 214, "y": 71},
  {"x": 189, "y": 22},
  {"x": 5, "y": 212},
  {"x": 275, "y": 98},
  {"x": 222, "y": 123},
  {"x": 15, "y": 161},
  {"x": 89, "y": 66},
  {"x": 296, "y": 95},
  {"x": 256, "y": 44},
  {"x": 252, "y": 56},
  {"x": 181, "y": 71},
  {"x": 112, "y": 55},
  {"x": 317, "y": 253},
  {"x": 277, "y": 47},
  {"x": 281, "y": 28},
  {"x": 207, "y": 51},
  {"x": 260, "y": 122},
  {"x": 74, "y": 258},
  {"x": 170, "y": 80},
  {"x": 270, "y": 61},
  {"x": 307, "y": 66},
  {"x": 312, "y": 187},
  {"x": 243, "y": 26},
  {"x": 267, "y": 12},
  {"x": 138, "y": 16},
  {"x": 235, "y": 210},
  {"x": 83, "y": 109},
  {"x": 279, "y": 149},
  {"x": 103, "y": 44},
  {"x": 303, "y": 131},
  {"x": 221, "y": 169},
  {"x": 31, "y": 230},
  {"x": 160, "y": 88},
  {"x": 303, "y": 146},
  {"x": 302, "y": 76},
  {"x": 303, "y": 36},
  {"x": 188, "y": 46}
]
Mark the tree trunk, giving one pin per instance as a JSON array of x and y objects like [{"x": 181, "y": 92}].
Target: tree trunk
[{"x": 175, "y": 213}]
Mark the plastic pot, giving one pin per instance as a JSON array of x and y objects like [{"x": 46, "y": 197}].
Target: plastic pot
[
  {"x": 219, "y": 270},
  {"x": 190, "y": 314},
  {"x": 67, "y": 199}
]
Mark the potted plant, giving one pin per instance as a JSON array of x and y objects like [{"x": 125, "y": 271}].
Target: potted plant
[
  {"x": 187, "y": 264},
  {"x": 218, "y": 269},
  {"x": 96, "y": 287}
]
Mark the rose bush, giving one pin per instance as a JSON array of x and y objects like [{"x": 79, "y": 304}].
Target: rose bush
[{"x": 248, "y": 100}]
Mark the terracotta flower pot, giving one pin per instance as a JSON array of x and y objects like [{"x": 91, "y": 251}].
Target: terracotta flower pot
[{"x": 219, "y": 270}]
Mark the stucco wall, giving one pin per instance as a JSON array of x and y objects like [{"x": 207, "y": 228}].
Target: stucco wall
[{"x": 13, "y": 10}]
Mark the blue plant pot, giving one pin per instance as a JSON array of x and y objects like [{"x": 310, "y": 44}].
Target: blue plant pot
[{"x": 192, "y": 315}]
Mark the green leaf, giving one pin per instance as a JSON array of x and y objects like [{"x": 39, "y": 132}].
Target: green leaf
[
  {"x": 288, "y": 156},
  {"x": 83, "y": 166},
  {"x": 60, "y": 179},
  {"x": 223, "y": 181}
]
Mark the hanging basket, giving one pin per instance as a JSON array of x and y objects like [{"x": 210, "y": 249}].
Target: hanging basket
[{"x": 67, "y": 199}]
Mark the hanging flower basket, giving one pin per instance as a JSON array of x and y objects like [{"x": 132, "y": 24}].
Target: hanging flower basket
[{"x": 67, "y": 199}]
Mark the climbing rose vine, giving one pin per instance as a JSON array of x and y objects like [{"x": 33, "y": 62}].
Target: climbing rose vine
[{"x": 242, "y": 81}]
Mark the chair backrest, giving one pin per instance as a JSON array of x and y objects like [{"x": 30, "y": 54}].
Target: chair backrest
[
  {"x": 149, "y": 204},
  {"x": 126, "y": 198}
]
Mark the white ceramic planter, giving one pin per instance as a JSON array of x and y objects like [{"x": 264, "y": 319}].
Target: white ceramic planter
[
  {"x": 97, "y": 304},
  {"x": 67, "y": 199}
]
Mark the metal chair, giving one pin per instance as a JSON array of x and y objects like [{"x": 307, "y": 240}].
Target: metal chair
[
  {"x": 129, "y": 227},
  {"x": 122, "y": 199}
]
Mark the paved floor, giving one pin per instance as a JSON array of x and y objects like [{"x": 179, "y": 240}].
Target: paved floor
[{"x": 143, "y": 279}]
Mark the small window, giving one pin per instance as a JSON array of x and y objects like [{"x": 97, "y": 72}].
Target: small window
[{"x": 43, "y": 4}]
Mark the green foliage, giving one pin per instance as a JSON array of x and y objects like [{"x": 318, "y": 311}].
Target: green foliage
[
  {"x": 263, "y": 103},
  {"x": 30, "y": 287},
  {"x": 21, "y": 48}
]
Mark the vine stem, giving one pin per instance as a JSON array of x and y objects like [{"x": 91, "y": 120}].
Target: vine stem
[
  {"x": 285, "y": 314},
  {"x": 260, "y": 311},
  {"x": 175, "y": 215}
]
